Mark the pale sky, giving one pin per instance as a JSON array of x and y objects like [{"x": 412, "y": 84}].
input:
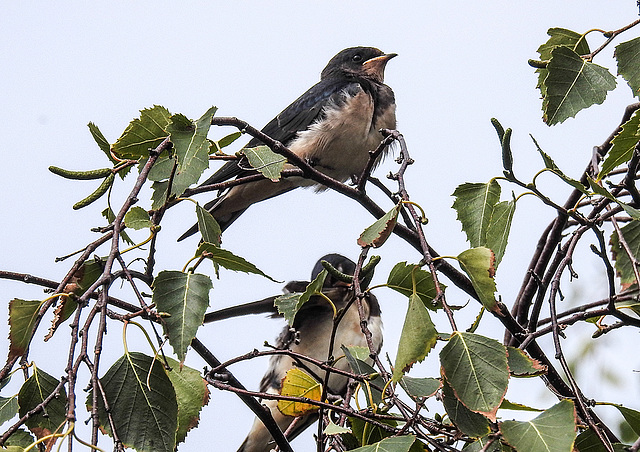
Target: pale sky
[{"x": 64, "y": 64}]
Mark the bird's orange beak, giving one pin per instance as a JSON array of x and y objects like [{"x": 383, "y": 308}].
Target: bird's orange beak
[{"x": 374, "y": 67}]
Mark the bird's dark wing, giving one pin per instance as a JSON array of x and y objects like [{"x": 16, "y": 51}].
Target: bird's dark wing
[{"x": 297, "y": 117}]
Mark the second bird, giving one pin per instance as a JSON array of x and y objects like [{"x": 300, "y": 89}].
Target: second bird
[{"x": 333, "y": 126}]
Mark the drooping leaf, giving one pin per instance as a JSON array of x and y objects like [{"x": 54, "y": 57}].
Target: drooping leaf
[
  {"x": 143, "y": 133},
  {"x": 470, "y": 423},
  {"x": 559, "y": 37},
  {"x": 142, "y": 402},
  {"x": 137, "y": 218},
  {"x": 229, "y": 260},
  {"x": 623, "y": 145},
  {"x": 551, "y": 165},
  {"x": 552, "y": 431},
  {"x": 624, "y": 265},
  {"x": 378, "y": 233},
  {"x": 357, "y": 358},
  {"x": 159, "y": 195},
  {"x": 393, "y": 444},
  {"x": 267, "y": 162},
  {"x": 298, "y": 383},
  {"x": 185, "y": 297},
  {"x": 191, "y": 147},
  {"x": 632, "y": 417},
  {"x": 420, "y": 387},
  {"x": 365, "y": 433},
  {"x": 8, "y": 408},
  {"x": 192, "y": 394},
  {"x": 474, "y": 205},
  {"x": 627, "y": 54},
  {"x": 478, "y": 264},
  {"x": 162, "y": 169},
  {"x": 32, "y": 393},
  {"x": 521, "y": 365},
  {"x": 418, "y": 337},
  {"x": 22, "y": 319},
  {"x": 572, "y": 85},
  {"x": 476, "y": 369},
  {"x": 401, "y": 279},
  {"x": 110, "y": 216},
  {"x": 289, "y": 304},
  {"x": 208, "y": 226},
  {"x": 598, "y": 189},
  {"x": 18, "y": 441},
  {"x": 82, "y": 280},
  {"x": 498, "y": 232}
]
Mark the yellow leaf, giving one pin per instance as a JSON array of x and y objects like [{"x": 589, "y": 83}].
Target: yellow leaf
[{"x": 298, "y": 383}]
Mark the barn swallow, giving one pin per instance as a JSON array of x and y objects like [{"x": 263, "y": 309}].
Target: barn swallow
[
  {"x": 310, "y": 335},
  {"x": 333, "y": 126}
]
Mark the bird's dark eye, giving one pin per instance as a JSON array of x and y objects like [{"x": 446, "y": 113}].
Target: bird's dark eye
[{"x": 357, "y": 58}]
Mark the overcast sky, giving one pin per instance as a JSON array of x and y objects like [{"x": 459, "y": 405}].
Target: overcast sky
[{"x": 63, "y": 64}]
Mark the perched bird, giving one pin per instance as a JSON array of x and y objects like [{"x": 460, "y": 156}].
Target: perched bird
[
  {"x": 333, "y": 126},
  {"x": 310, "y": 335}
]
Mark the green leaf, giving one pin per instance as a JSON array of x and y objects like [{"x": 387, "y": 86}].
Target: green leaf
[
  {"x": 551, "y": 165},
  {"x": 185, "y": 296},
  {"x": 478, "y": 264},
  {"x": 420, "y": 387},
  {"x": 393, "y": 444},
  {"x": 588, "y": 441},
  {"x": 8, "y": 408},
  {"x": 159, "y": 195},
  {"x": 631, "y": 416},
  {"x": 110, "y": 216},
  {"x": 498, "y": 232},
  {"x": 192, "y": 394},
  {"x": 378, "y": 233},
  {"x": 479, "y": 446},
  {"x": 521, "y": 365},
  {"x": 227, "y": 140},
  {"x": 476, "y": 368},
  {"x": 600, "y": 190},
  {"x": 472, "y": 424},
  {"x": 289, "y": 304},
  {"x": 32, "y": 393},
  {"x": 265, "y": 161},
  {"x": 628, "y": 54},
  {"x": 22, "y": 319},
  {"x": 624, "y": 144},
  {"x": 18, "y": 441},
  {"x": 572, "y": 85},
  {"x": 401, "y": 280},
  {"x": 334, "y": 429},
  {"x": 559, "y": 37},
  {"x": 624, "y": 265},
  {"x": 137, "y": 218},
  {"x": 229, "y": 260},
  {"x": 506, "y": 405},
  {"x": 143, "y": 133},
  {"x": 191, "y": 147},
  {"x": 356, "y": 357},
  {"x": 474, "y": 204},
  {"x": 142, "y": 402},
  {"x": 418, "y": 337},
  {"x": 208, "y": 226},
  {"x": 552, "y": 431},
  {"x": 105, "y": 147}
]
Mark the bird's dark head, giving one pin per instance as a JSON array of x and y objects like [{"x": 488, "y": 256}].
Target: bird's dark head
[
  {"x": 337, "y": 261},
  {"x": 367, "y": 62}
]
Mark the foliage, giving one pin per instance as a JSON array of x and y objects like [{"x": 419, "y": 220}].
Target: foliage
[{"x": 149, "y": 401}]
